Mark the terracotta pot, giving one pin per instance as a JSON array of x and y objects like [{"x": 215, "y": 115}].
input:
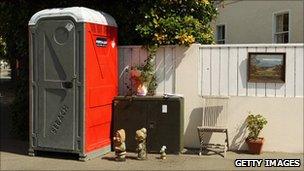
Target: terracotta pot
[
  {"x": 141, "y": 90},
  {"x": 255, "y": 146}
]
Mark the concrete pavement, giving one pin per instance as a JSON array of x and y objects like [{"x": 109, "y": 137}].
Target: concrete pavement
[{"x": 18, "y": 160}]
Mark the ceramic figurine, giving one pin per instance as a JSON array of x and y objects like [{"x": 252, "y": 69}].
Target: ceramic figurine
[
  {"x": 163, "y": 152},
  {"x": 141, "y": 149},
  {"x": 119, "y": 145}
]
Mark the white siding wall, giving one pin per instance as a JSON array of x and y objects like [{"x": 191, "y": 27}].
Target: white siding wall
[{"x": 224, "y": 71}]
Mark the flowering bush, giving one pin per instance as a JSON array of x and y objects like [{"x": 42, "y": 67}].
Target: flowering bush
[{"x": 180, "y": 22}]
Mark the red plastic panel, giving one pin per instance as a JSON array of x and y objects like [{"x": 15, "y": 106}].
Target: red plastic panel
[{"x": 101, "y": 81}]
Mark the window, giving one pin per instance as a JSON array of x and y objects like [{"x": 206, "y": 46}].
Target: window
[
  {"x": 220, "y": 32},
  {"x": 281, "y": 32}
]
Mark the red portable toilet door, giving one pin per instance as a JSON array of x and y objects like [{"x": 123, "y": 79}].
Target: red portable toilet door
[{"x": 101, "y": 84}]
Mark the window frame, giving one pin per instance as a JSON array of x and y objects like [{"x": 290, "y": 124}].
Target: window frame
[
  {"x": 271, "y": 80},
  {"x": 274, "y": 22},
  {"x": 220, "y": 40}
]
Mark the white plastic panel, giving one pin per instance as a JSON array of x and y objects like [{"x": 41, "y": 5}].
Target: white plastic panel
[{"x": 80, "y": 14}]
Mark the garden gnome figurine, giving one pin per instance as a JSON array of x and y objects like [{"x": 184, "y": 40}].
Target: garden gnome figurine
[
  {"x": 119, "y": 145},
  {"x": 141, "y": 149},
  {"x": 163, "y": 152}
]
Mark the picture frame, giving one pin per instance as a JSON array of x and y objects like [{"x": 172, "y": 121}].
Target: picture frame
[{"x": 266, "y": 67}]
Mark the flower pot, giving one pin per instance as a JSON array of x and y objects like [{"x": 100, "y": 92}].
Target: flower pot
[
  {"x": 255, "y": 146},
  {"x": 141, "y": 90}
]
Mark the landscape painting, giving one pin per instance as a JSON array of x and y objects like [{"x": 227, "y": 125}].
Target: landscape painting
[{"x": 266, "y": 67}]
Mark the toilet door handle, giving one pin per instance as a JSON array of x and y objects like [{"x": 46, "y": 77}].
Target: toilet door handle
[{"x": 67, "y": 84}]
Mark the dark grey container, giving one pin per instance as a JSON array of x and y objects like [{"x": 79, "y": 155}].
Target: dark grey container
[{"x": 162, "y": 117}]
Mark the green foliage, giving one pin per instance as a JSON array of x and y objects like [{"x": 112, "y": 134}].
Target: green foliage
[
  {"x": 180, "y": 22},
  {"x": 2, "y": 48},
  {"x": 150, "y": 66},
  {"x": 255, "y": 123},
  {"x": 147, "y": 71}
]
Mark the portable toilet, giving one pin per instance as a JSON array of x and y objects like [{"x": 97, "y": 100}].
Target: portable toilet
[{"x": 73, "y": 80}]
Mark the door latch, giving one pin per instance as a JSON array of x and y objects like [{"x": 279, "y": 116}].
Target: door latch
[{"x": 67, "y": 84}]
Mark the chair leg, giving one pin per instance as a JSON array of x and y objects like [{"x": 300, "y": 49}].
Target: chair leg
[
  {"x": 225, "y": 150},
  {"x": 227, "y": 140},
  {"x": 201, "y": 141}
]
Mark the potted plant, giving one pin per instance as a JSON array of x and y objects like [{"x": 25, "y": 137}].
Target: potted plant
[
  {"x": 143, "y": 77},
  {"x": 255, "y": 123}
]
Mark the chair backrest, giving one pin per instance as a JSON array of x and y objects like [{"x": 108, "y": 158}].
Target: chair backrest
[{"x": 215, "y": 111}]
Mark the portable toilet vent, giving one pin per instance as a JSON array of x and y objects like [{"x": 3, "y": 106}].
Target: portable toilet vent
[{"x": 73, "y": 80}]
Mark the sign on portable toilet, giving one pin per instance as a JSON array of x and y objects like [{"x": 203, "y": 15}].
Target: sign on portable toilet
[{"x": 73, "y": 80}]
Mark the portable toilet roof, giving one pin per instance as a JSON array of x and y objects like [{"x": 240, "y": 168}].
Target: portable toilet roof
[{"x": 79, "y": 14}]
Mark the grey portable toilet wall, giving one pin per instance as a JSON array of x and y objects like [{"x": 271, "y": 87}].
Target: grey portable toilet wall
[{"x": 73, "y": 80}]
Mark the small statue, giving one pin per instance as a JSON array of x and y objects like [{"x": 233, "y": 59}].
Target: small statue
[
  {"x": 119, "y": 145},
  {"x": 163, "y": 152},
  {"x": 141, "y": 149}
]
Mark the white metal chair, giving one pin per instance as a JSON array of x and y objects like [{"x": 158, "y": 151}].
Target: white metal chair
[{"x": 214, "y": 120}]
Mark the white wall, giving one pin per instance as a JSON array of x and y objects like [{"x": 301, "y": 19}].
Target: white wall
[
  {"x": 181, "y": 70},
  {"x": 251, "y": 21}
]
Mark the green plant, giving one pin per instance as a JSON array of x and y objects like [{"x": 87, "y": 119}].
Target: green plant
[
  {"x": 145, "y": 74},
  {"x": 180, "y": 22},
  {"x": 255, "y": 123},
  {"x": 168, "y": 22}
]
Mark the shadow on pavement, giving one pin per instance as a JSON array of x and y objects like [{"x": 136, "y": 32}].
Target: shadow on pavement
[
  {"x": 57, "y": 155},
  {"x": 8, "y": 142}
]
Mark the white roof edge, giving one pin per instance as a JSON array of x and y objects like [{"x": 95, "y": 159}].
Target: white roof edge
[{"x": 80, "y": 14}]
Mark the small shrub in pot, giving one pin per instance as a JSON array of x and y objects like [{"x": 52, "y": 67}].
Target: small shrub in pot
[{"x": 255, "y": 123}]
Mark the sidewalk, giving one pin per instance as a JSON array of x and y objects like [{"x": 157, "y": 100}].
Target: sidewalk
[{"x": 18, "y": 160}]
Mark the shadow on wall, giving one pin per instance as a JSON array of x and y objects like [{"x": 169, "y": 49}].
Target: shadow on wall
[
  {"x": 168, "y": 58},
  {"x": 195, "y": 120},
  {"x": 243, "y": 70},
  {"x": 238, "y": 141}
]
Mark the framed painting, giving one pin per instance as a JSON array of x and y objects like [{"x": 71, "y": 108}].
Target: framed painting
[{"x": 266, "y": 67}]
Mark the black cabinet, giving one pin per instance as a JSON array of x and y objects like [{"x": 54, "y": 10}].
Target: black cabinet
[{"x": 162, "y": 117}]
